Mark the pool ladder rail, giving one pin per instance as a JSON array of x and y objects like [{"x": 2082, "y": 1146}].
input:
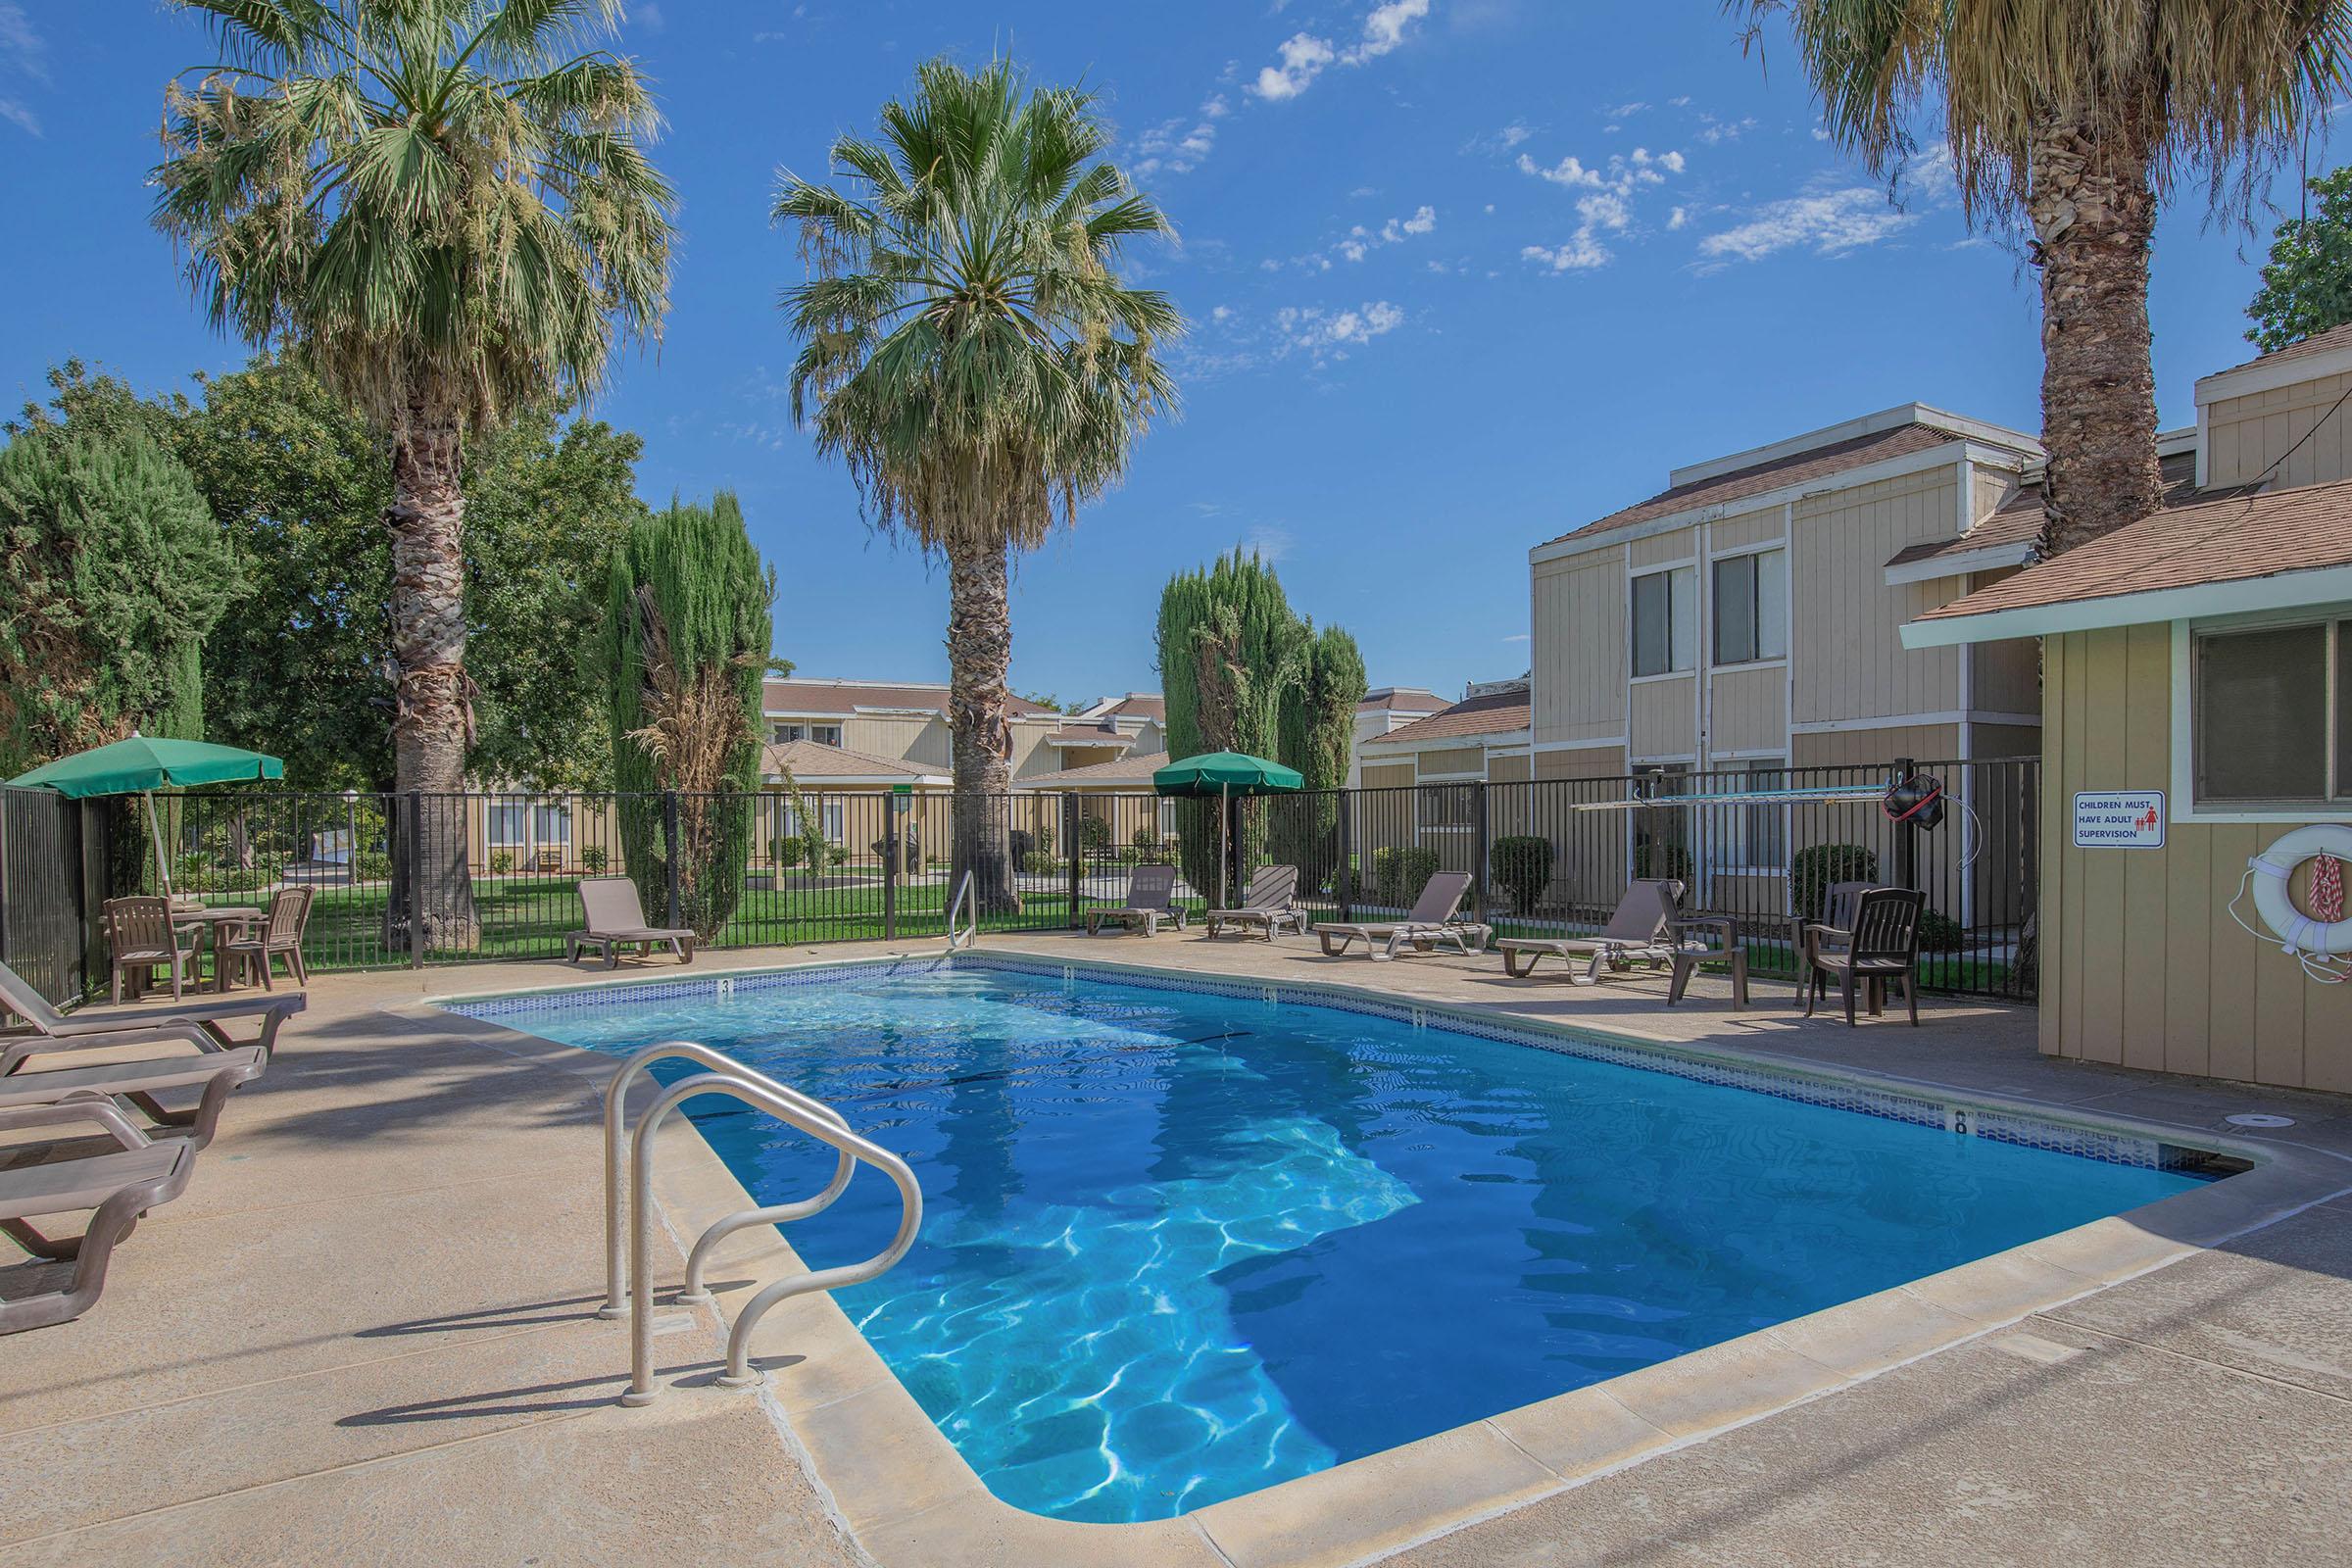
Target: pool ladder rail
[
  {"x": 966, "y": 935},
  {"x": 630, "y": 1294}
]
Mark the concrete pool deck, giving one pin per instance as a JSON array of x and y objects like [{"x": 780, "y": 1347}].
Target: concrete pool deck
[{"x": 363, "y": 1334}]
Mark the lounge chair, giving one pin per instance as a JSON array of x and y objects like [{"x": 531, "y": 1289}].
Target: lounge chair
[
  {"x": 216, "y": 1072},
  {"x": 1151, "y": 898},
  {"x": 1881, "y": 945},
  {"x": 201, "y": 1023},
  {"x": 1649, "y": 927},
  {"x": 280, "y": 937},
  {"x": 120, "y": 1185},
  {"x": 1435, "y": 918},
  {"x": 1269, "y": 905},
  {"x": 139, "y": 940},
  {"x": 611, "y": 918}
]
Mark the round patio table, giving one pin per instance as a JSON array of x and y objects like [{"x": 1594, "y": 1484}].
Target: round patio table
[{"x": 216, "y": 925}]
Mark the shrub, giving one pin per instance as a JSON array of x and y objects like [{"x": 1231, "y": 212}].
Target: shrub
[
  {"x": 1812, "y": 872},
  {"x": 1656, "y": 861},
  {"x": 785, "y": 851},
  {"x": 593, "y": 859},
  {"x": 1399, "y": 871},
  {"x": 372, "y": 865},
  {"x": 1939, "y": 932},
  {"x": 1094, "y": 834},
  {"x": 1145, "y": 837},
  {"x": 1037, "y": 862},
  {"x": 502, "y": 862},
  {"x": 1523, "y": 867},
  {"x": 836, "y": 855}
]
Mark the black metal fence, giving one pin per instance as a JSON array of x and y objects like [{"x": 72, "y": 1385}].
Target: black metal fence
[{"x": 428, "y": 879}]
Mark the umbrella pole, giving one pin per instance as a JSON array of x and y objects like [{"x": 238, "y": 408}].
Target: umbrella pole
[
  {"x": 1225, "y": 861},
  {"x": 155, "y": 831}
]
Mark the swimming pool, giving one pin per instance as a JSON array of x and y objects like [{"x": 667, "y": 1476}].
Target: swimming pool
[{"x": 1181, "y": 1246}]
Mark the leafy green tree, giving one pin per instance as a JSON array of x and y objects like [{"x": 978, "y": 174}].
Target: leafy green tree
[
  {"x": 300, "y": 664},
  {"x": 687, "y": 631},
  {"x": 2077, "y": 119},
  {"x": 115, "y": 571},
  {"x": 970, "y": 352},
  {"x": 444, "y": 209},
  {"x": 2307, "y": 283}
]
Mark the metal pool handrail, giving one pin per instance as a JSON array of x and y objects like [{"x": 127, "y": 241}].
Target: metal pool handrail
[
  {"x": 970, "y": 936},
  {"x": 788, "y": 1109},
  {"x": 616, "y": 1092}
]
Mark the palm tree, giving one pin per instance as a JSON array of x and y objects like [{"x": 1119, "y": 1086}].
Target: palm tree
[
  {"x": 444, "y": 208},
  {"x": 2079, "y": 115},
  {"x": 969, "y": 352}
]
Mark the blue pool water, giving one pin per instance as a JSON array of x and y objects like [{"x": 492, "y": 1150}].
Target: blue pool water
[{"x": 1180, "y": 1246}]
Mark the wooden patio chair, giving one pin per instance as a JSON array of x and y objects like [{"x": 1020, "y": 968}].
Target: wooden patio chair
[
  {"x": 280, "y": 936},
  {"x": 140, "y": 940},
  {"x": 1882, "y": 945}
]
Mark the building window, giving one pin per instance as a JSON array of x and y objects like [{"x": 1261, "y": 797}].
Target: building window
[
  {"x": 1752, "y": 608},
  {"x": 551, "y": 824},
  {"x": 1446, "y": 808},
  {"x": 2266, "y": 730},
  {"x": 1761, "y": 830},
  {"x": 779, "y": 734},
  {"x": 825, "y": 734},
  {"x": 1665, "y": 621},
  {"x": 505, "y": 825}
]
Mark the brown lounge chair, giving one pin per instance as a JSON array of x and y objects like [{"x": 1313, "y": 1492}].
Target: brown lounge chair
[
  {"x": 202, "y": 1023},
  {"x": 120, "y": 1186},
  {"x": 613, "y": 918},
  {"x": 1151, "y": 898},
  {"x": 218, "y": 1073},
  {"x": 1269, "y": 905},
  {"x": 1882, "y": 945},
  {"x": 1649, "y": 927},
  {"x": 1434, "y": 919}
]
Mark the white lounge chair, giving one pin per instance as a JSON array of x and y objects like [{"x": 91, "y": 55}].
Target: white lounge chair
[
  {"x": 1434, "y": 919},
  {"x": 1151, "y": 898},
  {"x": 1270, "y": 906}
]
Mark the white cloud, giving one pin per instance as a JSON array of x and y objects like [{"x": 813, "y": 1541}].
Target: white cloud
[
  {"x": 649, "y": 17},
  {"x": 23, "y": 55},
  {"x": 1305, "y": 55},
  {"x": 1606, "y": 206},
  {"x": 1179, "y": 145},
  {"x": 1678, "y": 218},
  {"x": 1268, "y": 542},
  {"x": 1827, "y": 223},
  {"x": 1622, "y": 111},
  {"x": 1324, "y": 334},
  {"x": 1514, "y": 134},
  {"x": 1581, "y": 253},
  {"x": 1361, "y": 241},
  {"x": 1569, "y": 171},
  {"x": 1221, "y": 315},
  {"x": 1604, "y": 211},
  {"x": 1712, "y": 130},
  {"x": 12, "y": 109}
]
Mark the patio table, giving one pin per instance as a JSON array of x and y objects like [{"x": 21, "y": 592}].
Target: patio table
[{"x": 214, "y": 927}]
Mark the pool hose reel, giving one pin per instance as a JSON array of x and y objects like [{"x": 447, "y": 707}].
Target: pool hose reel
[{"x": 1916, "y": 798}]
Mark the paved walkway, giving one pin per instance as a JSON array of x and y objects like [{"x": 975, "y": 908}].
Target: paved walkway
[{"x": 362, "y": 1337}]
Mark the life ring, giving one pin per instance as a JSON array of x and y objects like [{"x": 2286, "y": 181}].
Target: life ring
[{"x": 2274, "y": 866}]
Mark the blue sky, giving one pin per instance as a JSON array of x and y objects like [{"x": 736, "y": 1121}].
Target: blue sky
[{"x": 1462, "y": 275}]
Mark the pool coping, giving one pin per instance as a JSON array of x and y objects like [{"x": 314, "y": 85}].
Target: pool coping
[{"x": 905, "y": 1494}]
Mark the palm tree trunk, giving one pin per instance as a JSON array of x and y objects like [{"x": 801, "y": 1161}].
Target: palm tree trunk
[
  {"x": 979, "y": 656},
  {"x": 434, "y": 713},
  {"x": 2092, "y": 204}
]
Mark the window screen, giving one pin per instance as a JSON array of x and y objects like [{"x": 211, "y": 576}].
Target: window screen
[
  {"x": 2261, "y": 714},
  {"x": 1736, "y": 610},
  {"x": 1653, "y": 633}
]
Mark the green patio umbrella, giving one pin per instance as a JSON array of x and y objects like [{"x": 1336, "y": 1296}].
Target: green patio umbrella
[
  {"x": 1221, "y": 775},
  {"x": 143, "y": 764}
]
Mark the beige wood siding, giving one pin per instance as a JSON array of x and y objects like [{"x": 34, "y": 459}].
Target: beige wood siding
[
  {"x": 2245, "y": 435},
  {"x": 1582, "y": 762},
  {"x": 1507, "y": 769},
  {"x": 1848, "y": 657},
  {"x": 2140, "y": 962},
  {"x": 1863, "y": 748},
  {"x": 1388, "y": 776},
  {"x": 1749, "y": 528},
  {"x": 1664, "y": 721},
  {"x": 1992, "y": 487},
  {"x": 1453, "y": 760},
  {"x": 2005, "y": 740},
  {"x": 1749, "y": 712},
  {"x": 2005, "y": 678},
  {"x": 1579, "y": 650},
  {"x": 1676, "y": 544},
  {"x": 919, "y": 739}
]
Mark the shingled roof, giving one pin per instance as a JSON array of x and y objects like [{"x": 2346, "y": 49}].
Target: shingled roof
[
  {"x": 789, "y": 697},
  {"x": 1492, "y": 713}
]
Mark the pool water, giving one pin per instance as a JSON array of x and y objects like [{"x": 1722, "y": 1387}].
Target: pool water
[{"x": 1178, "y": 1246}]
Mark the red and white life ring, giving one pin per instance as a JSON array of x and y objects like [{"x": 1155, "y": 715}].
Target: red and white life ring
[{"x": 2271, "y": 870}]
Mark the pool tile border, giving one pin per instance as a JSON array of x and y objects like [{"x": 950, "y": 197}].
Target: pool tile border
[{"x": 865, "y": 1460}]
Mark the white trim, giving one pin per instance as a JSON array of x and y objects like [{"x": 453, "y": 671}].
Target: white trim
[
  {"x": 1948, "y": 715},
  {"x": 1937, "y": 457},
  {"x": 813, "y": 785},
  {"x": 1778, "y": 541},
  {"x": 2172, "y": 443},
  {"x": 1960, "y": 563},
  {"x": 1388, "y": 746},
  {"x": 2204, "y": 445},
  {"x": 1661, "y": 676},
  {"x": 1650, "y": 568},
  {"x": 1777, "y": 661},
  {"x": 2316, "y": 585},
  {"x": 2184, "y": 805},
  {"x": 1878, "y": 423},
  {"x": 1617, "y": 741},
  {"x": 2266, "y": 376}
]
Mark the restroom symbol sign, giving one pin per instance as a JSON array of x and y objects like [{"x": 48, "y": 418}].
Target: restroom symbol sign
[{"x": 2119, "y": 819}]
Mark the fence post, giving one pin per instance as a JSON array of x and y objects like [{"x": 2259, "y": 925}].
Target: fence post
[
  {"x": 415, "y": 880},
  {"x": 894, "y": 839},
  {"x": 669, "y": 852},
  {"x": 1345, "y": 874},
  {"x": 1486, "y": 850},
  {"x": 1906, "y": 836},
  {"x": 1073, "y": 844}
]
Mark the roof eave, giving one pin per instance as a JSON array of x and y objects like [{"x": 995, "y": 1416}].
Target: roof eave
[
  {"x": 1959, "y": 563},
  {"x": 2284, "y": 590}
]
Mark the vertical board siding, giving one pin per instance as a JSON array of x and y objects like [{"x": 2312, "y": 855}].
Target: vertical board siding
[
  {"x": 2141, "y": 962},
  {"x": 1665, "y": 718},
  {"x": 1584, "y": 761},
  {"x": 1847, "y": 651},
  {"x": 1579, "y": 653},
  {"x": 1676, "y": 544},
  {"x": 1749, "y": 528},
  {"x": 1749, "y": 710},
  {"x": 2246, "y": 435}
]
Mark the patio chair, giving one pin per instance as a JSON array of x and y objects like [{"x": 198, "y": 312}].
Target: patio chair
[
  {"x": 1151, "y": 898},
  {"x": 1837, "y": 915},
  {"x": 1881, "y": 945},
  {"x": 1269, "y": 905},
  {"x": 201, "y": 1023},
  {"x": 140, "y": 940},
  {"x": 1435, "y": 918},
  {"x": 1648, "y": 927},
  {"x": 119, "y": 1186},
  {"x": 280, "y": 936},
  {"x": 611, "y": 918},
  {"x": 218, "y": 1073}
]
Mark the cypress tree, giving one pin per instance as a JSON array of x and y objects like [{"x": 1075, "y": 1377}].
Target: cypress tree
[{"x": 687, "y": 634}]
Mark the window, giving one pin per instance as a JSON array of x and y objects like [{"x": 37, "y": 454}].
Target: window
[
  {"x": 1752, "y": 608},
  {"x": 2266, "y": 729},
  {"x": 779, "y": 734},
  {"x": 1665, "y": 621},
  {"x": 825, "y": 734},
  {"x": 1448, "y": 808},
  {"x": 1763, "y": 830},
  {"x": 505, "y": 824},
  {"x": 828, "y": 816},
  {"x": 551, "y": 824}
]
